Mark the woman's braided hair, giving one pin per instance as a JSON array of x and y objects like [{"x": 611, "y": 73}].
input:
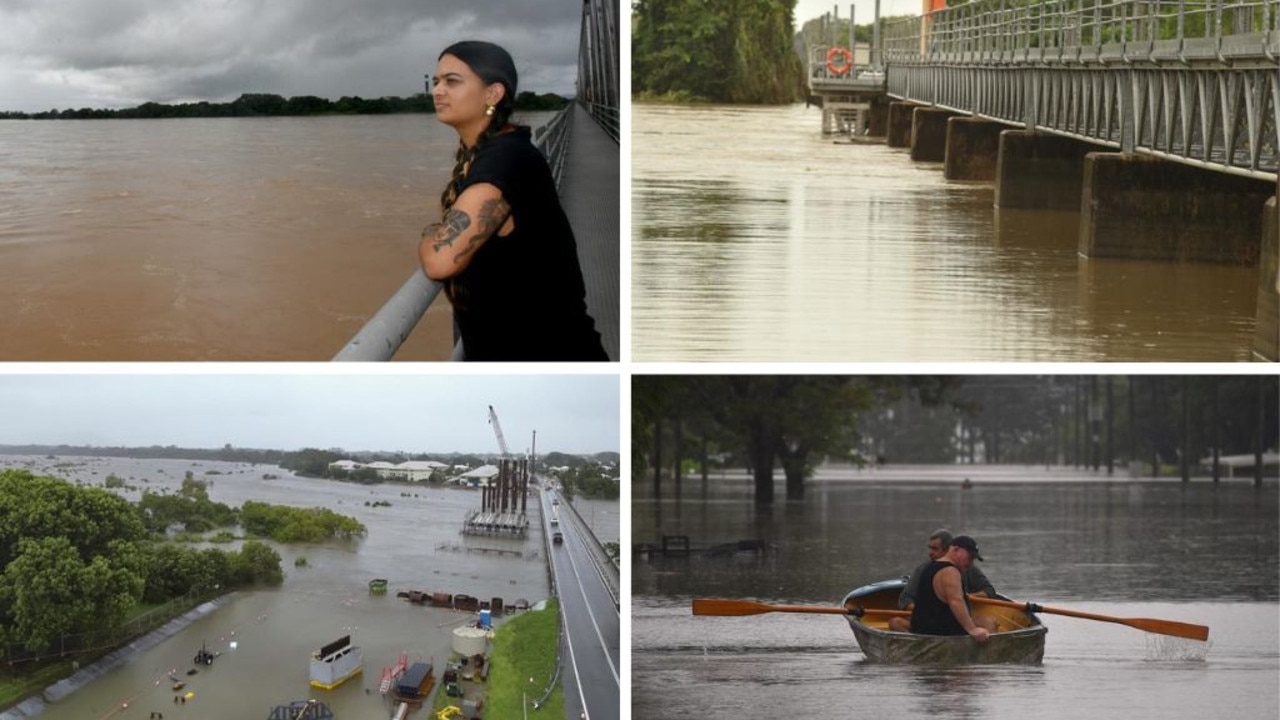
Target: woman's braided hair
[{"x": 493, "y": 65}]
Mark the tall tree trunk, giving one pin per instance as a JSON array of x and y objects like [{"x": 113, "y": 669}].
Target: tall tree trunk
[
  {"x": 1152, "y": 414},
  {"x": 679, "y": 458},
  {"x": 705, "y": 470},
  {"x": 657, "y": 459},
  {"x": 1184, "y": 457},
  {"x": 1111, "y": 454},
  {"x": 1095, "y": 452},
  {"x": 1257, "y": 433},
  {"x": 1133, "y": 420},
  {"x": 1217, "y": 431},
  {"x": 793, "y": 462},
  {"x": 761, "y": 450}
]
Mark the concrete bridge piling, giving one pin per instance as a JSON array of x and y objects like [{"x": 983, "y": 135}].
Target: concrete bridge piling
[{"x": 1137, "y": 206}]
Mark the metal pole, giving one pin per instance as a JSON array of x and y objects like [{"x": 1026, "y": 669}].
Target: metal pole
[
  {"x": 876, "y": 51},
  {"x": 853, "y": 43}
]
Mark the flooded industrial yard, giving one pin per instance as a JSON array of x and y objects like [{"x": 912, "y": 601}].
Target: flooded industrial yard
[
  {"x": 1201, "y": 552},
  {"x": 414, "y": 543}
]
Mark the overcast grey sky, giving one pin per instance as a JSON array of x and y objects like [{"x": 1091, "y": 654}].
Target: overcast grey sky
[
  {"x": 412, "y": 413},
  {"x": 121, "y": 53}
]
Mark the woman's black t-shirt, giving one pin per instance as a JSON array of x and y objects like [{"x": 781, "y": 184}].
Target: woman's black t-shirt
[{"x": 522, "y": 296}]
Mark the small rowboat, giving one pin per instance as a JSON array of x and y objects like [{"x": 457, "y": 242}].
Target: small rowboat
[{"x": 1019, "y": 637}]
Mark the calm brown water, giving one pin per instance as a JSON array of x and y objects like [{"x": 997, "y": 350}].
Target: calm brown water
[
  {"x": 214, "y": 239},
  {"x": 414, "y": 543},
  {"x": 1197, "y": 553},
  {"x": 757, "y": 239}
]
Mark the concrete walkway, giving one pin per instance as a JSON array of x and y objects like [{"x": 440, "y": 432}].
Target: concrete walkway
[{"x": 590, "y": 192}]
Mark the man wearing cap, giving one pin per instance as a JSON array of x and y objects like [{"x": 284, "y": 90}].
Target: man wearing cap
[
  {"x": 941, "y": 607},
  {"x": 973, "y": 579}
]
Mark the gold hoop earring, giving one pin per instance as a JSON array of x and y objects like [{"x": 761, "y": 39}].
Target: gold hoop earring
[{"x": 489, "y": 111}]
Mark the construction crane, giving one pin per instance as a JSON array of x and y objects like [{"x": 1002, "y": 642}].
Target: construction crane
[{"x": 497, "y": 430}]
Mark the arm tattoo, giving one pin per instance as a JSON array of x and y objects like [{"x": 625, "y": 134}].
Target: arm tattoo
[
  {"x": 493, "y": 213},
  {"x": 455, "y": 222}
]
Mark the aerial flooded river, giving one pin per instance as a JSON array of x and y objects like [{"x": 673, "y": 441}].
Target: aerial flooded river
[
  {"x": 414, "y": 543},
  {"x": 1198, "y": 553},
  {"x": 756, "y": 238}
]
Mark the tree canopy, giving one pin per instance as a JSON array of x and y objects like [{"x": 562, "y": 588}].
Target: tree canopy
[
  {"x": 732, "y": 51},
  {"x": 795, "y": 421}
]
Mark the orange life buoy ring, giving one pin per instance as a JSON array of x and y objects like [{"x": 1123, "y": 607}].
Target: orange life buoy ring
[{"x": 846, "y": 63}]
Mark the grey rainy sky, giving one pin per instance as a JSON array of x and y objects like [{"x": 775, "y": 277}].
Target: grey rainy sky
[
  {"x": 411, "y": 413},
  {"x": 121, "y": 53}
]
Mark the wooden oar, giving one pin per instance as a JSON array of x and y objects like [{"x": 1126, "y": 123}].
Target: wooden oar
[
  {"x": 1162, "y": 627},
  {"x": 734, "y": 608}
]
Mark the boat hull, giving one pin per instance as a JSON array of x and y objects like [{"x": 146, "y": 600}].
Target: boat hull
[{"x": 1020, "y": 639}]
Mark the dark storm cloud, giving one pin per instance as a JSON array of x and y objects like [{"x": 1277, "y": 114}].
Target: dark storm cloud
[{"x": 120, "y": 52}]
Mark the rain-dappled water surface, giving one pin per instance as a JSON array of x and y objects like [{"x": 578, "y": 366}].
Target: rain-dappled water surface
[
  {"x": 414, "y": 543},
  {"x": 1195, "y": 553},
  {"x": 756, "y": 238}
]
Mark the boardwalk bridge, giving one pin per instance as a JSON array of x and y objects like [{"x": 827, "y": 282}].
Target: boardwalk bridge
[
  {"x": 581, "y": 145},
  {"x": 1157, "y": 120}
]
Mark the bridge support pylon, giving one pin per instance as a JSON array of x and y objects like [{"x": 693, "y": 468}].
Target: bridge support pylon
[
  {"x": 973, "y": 145},
  {"x": 1040, "y": 171},
  {"x": 929, "y": 134},
  {"x": 898, "y": 132},
  {"x": 1140, "y": 207},
  {"x": 1266, "y": 339}
]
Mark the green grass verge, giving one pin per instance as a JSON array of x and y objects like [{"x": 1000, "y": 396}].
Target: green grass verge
[
  {"x": 524, "y": 647},
  {"x": 15, "y": 688}
]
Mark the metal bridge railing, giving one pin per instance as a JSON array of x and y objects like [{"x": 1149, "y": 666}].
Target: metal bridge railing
[
  {"x": 1192, "y": 81},
  {"x": 387, "y": 330},
  {"x": 598, "y": 85},
  {"x": 1089, "y": 31}
]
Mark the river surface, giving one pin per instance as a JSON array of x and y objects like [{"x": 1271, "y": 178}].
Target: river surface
[
  {"x": 756, "y": 238},
  {"x": 414, "y": 543},
  {"x": 1198, "y": 553},
  {"x": 214, "y": 239}
]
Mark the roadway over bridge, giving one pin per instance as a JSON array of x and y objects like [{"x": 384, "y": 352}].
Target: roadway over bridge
[{"x": 587, "y": 584}]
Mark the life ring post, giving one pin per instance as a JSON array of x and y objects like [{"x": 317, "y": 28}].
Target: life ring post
[{"x": 839, "y": 61}]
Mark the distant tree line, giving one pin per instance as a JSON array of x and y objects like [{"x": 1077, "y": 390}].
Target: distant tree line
[
  {"x": 268, "y": 105},
  {"x": 589, "y": 480},
  {"x": 1150, "y": 424}
]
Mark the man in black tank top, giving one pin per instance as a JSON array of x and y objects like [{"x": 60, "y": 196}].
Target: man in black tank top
[{"x": 941, "y": 607}]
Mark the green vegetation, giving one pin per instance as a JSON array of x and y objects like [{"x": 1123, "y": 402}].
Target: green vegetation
[
  {"x": 191, "y": 508},
  {"x": 734, "y": 51},
  {"x": 590, "y": 480},
  {"x": 76, "y": 561},
  {"x": 289, "y": 524},
  {"x": 524, "y": 647},
  {"x": 268, "y": 105}
]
